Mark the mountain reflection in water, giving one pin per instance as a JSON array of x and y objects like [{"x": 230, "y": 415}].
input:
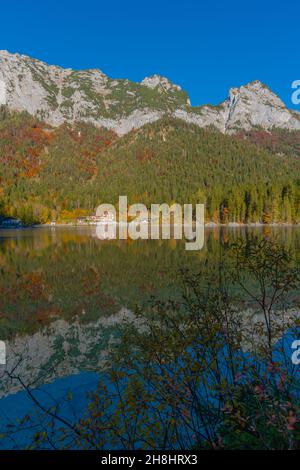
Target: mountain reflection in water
[{"x": 64, "y": 293}]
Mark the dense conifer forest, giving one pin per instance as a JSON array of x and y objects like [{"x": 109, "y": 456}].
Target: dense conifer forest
[{"x": 62, "y": 173}]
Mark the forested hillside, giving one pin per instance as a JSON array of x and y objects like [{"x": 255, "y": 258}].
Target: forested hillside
[{"x": 65, "y": 172}]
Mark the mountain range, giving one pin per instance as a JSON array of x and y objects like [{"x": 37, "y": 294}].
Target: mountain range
[
  {"x": 57, "y": 95},
  {"x": 70, "y": 140}
]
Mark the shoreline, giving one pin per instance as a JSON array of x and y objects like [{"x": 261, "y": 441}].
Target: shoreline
[{"x": 206, "y": 225}]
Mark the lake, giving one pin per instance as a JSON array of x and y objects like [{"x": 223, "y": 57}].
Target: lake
[{"x": 64, "y": 293}]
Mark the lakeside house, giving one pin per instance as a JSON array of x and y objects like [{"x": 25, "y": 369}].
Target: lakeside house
[{"x": 107, "y": 216}]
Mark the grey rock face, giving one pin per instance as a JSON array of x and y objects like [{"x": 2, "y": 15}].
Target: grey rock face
[
  {"x": 60, "y": 95},
  {"x": 255, "y": 105},
  {"x": 161, "y": 83},
  {"x": 59, "y": 350}
]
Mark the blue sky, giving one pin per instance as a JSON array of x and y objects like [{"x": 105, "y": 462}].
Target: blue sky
[{"x": 204, "y": 46}]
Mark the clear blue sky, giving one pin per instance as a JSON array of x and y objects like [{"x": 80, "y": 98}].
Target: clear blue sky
[{"x": 204, "y": 46}]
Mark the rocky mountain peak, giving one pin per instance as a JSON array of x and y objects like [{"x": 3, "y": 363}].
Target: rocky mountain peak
[
  {"x": 256, "y": 91},
  {"x": 255, "y": 105},
  {"x": 157, "y": 81}
]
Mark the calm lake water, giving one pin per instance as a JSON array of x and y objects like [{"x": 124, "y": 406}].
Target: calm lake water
[{"x": 63, "y": 294}]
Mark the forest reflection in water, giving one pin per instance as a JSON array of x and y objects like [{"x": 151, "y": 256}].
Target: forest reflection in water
[{"x": 64, "y": 293}]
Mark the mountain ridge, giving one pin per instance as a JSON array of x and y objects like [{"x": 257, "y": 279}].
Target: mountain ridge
[{"x": 57, "y": 95}]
